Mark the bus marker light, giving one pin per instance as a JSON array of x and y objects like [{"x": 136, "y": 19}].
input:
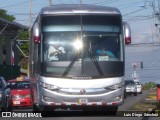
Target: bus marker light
[
  {"x": 114, "y": 103},
  {"x": 94, "y": 104},
  {"x": 36, "y": 39},
  {"x": 84, "y": 104},
  {"x": 53, "y": 104},
  {"x": 63, "y": 104},
  {"x": 104, "y": 104}
]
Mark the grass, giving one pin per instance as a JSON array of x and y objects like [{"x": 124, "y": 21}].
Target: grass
[
  {"x": 144, "y": 106},
  {"x": 148, "y": 103},
  {"x": 149, "y": 85}
]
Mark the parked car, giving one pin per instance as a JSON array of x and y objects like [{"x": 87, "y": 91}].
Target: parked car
[
  {"x": 20, "y": 92},
  {"x": 5, "y": 96},
  {"x": 130, "y": 87},
  {"x": 139, "y": 87}
]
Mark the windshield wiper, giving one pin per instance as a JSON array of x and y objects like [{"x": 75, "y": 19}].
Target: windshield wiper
[
  {"x": 71, "y": 64},
  {"x": 95, "y": 62}
]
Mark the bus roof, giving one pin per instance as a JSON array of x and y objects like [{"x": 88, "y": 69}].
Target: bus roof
[{"x": 79, "y": 9}]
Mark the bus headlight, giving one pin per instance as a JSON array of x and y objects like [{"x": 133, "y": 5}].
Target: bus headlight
[
  {"x": 115, "y": 87},
  {"x": 48, "y": 86}
]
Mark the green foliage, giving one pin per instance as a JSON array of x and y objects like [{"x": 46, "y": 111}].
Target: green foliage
[
  {"x": 149, "y": 85},
  {"x": 3, "y": 14},
  {"x": 24, "y": 35},
  {"x": 24, "y": 46}
]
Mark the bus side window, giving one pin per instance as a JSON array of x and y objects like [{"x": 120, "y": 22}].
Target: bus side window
[
  {"x": 45, "y": 47},
  {"x": 0, "y": 84}
]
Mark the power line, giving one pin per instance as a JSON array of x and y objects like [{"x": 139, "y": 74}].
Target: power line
[
  {"x": 15, "y": 4},
  {"x": 60, "y": 1},
  {"x": 102, "y": 2},
  {"x": 150, "y": 44},
  {"x": 150, "y": 76},
  {"x": 129, "y": 4},
  {"x": 71, "y": 1},
  {"x": 140, "y": 17},
  {"x": 133, "y": 12},
  {"x": 50, "y": 2}
]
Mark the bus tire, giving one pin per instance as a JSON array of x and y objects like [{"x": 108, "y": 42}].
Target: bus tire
[
  {"x": 10, "y": 108},
  {"x": 125, "y": 95},
  {"x": 135, "y": 94},
  {"x": 35, "y": 108},
  {"x": 45, "y": 108}
]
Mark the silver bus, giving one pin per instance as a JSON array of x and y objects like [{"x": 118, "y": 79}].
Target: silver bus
[{"x": 77, "y": 57}]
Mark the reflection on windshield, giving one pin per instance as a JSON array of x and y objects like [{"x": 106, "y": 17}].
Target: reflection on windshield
[
  {"x": 103, "y": 48},
  {"x": 59, "y": 47}
]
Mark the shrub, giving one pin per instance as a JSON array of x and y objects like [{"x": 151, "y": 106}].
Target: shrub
[{"x": 149, "y": 85}]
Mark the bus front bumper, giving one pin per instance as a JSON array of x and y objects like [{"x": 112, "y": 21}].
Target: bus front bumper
[{"x": 55, "y": 99}]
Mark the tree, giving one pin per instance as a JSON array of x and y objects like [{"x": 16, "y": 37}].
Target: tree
[{"x": 3, "y": 14}]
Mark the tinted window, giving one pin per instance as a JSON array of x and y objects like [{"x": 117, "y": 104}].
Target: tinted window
[
  {"x": 137, "y": 83},
  {"x": 0, "y": 83},
  {"x": 19, "y": 85},
  {"x": 129, "y": 82}
]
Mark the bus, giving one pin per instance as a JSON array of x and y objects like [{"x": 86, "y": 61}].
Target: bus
[{"x": 77, "y": 57}]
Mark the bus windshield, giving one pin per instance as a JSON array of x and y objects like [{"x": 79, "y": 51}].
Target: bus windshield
[{"x": 72, "y": 43}]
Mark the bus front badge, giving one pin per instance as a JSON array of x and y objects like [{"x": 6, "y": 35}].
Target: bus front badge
[{"x": 82, "y": 91}]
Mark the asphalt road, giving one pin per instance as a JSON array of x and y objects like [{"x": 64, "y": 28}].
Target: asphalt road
[
  {"x": 132, "y": 100},
  {"x": 124, "y": 110}
]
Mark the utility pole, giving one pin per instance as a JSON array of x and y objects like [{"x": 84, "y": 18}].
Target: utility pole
[
  {"x": 30, "y": 15},
  {"x": 50, "y": 2},
  {"x": 135, "y": 76},
  {"x": 158, "y": 6},
  {"x": 80, "y": 2},
  {"x": 157, "y": 10}
]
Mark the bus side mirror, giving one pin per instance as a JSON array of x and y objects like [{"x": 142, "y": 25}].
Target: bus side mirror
[
  {"x": 36, "y": 33},
  {"x": 127, "y": 40},
  {"x": 127, "y": 33}
]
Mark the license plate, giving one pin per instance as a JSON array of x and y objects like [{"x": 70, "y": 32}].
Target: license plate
[
  {"x": 103, "y": 58},
  {"x": 16, "y": 102},
  {"x": 82, "y": 100}
]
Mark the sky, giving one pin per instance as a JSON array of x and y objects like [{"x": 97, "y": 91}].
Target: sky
[
  {"x": 142, "y": 21},
  {"x": 150, "y": 56}
]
